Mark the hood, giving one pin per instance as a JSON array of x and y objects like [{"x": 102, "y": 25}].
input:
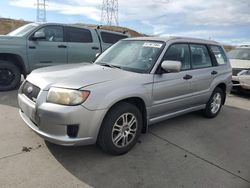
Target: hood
[
  {"x": 238, "y": 63},
  {"x": 10, "y": 40},
  {"x": 75, "y": 76}
]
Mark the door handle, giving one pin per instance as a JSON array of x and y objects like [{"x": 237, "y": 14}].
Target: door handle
[
  {"x": 62, "y": 46},
  {"x": 214, "y": 72},
  {"x": 95, "y": 48},
  {"x": 32, "y": 47},
  {"x": 187, "y": 77}
]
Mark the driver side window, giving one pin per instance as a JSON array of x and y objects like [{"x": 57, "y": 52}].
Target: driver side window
[
  {"x": 179, "y": 52},
  {"x": 52, "y": 33}
]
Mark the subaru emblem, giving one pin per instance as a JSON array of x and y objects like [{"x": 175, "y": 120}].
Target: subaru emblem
[{"x": 29, "y": 89}]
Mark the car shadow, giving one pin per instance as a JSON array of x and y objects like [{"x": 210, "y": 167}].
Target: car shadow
[
  {"x": 241, "y": 93},
  {"x": 94, "y": 167},
  {"x": 82, "y": 162},
  {"x": 9, "y": 98}
]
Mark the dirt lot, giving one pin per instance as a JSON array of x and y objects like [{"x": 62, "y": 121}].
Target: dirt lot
[{"x": 188, "y": 151}]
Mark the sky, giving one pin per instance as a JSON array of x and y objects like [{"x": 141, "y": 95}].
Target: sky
[{"x": 226, "y": 21}]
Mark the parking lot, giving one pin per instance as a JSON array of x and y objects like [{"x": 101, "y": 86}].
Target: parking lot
[{"x": 188, "y": 151}]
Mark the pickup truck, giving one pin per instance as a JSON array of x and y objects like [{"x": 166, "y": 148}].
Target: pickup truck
[{"x": 37, "y": 45}]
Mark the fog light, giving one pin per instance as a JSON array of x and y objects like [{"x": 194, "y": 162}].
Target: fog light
[{"x": 72, "y": 130}]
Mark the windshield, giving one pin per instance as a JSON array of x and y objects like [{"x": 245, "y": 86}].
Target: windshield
[
  {"x": 21, "y": 31},
  {"x": 240, "y": 53},
  {"x": 132, "y": 55}
]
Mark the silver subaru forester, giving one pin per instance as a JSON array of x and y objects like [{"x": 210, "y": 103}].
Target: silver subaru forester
[{"x": 135, "y": 83}]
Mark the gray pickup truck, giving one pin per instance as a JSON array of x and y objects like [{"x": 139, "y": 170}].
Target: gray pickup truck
[{"x": 39, "y": 45}]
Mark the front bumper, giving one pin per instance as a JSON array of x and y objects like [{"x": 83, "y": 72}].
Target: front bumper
[
  {"x": 51, "y": 121},
  {"x": 241, "y": 81}
]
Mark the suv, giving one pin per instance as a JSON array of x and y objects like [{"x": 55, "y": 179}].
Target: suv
[
  {"x": 135, "y": 83},
  {"x": 39, "y": 45},
  {"x": 240, "y": 61}
]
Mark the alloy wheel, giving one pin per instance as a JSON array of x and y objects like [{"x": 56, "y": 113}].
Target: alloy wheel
[
  {"x": 124, "y": 130},
  {"x": 216, "y": 103}
]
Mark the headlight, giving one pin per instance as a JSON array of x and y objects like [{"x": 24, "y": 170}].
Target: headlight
[
  {"x": 244, "y": 72},
  {"x": 66, "y": 96}
]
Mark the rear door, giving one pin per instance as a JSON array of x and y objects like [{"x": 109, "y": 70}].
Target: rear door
[
  {"x": 83, "y": 45},
  {"x": 108, "y": 38},
  {"x": 202, "y": 73},
  {"x": 49, "y": 51}
]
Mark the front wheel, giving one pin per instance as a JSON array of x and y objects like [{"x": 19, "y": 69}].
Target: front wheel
[
  {"x": 214, "y": 104},
  {"x": 10, "y": 76},
  {"x": 121, "y": 129}
]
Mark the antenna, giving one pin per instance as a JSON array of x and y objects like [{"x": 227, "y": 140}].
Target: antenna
[
  {"x": 109, "y": 12},
  {"x": 41, "y": 11}
]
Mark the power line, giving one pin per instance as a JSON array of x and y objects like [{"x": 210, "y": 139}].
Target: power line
[
  {"x": 110, "y": 12},
  {"x": 41, "y": 11}
]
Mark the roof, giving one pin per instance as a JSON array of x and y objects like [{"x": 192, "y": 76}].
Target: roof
[
  {"x": 176, "y": 39},
  {"x": 78, "y": 26}
]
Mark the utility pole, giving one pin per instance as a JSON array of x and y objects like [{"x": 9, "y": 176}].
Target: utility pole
[
  {"x": 110, "y": 12},
  {"x": 41, "y": 11}
]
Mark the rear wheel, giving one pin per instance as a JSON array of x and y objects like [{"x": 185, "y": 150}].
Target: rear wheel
[
  {"x": 121, "y": 129},
  {"x": 10, "y": 76},
  {"x": 215, "y": 103}
]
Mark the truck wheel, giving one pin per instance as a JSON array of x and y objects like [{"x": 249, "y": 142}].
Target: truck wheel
[
  {"x": 10, "y": 76},
  {"x": 121, "y": 129},
  {"x": 214, "y": 104}
]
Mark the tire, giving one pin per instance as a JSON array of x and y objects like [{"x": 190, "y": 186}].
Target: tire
[
  {"x": 214, "y": 104},
  {"x": 111, "y": 138},
  {"x": 10, "y": 76}
]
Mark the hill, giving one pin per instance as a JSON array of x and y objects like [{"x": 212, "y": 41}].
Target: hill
[{"x": 7, "y": 25}]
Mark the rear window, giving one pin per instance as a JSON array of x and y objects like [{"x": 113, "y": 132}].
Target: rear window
[
  {"x": 200, "y": 56},
  {"x": 111, "y": 38},
  {"x": 79, "y": 35}
]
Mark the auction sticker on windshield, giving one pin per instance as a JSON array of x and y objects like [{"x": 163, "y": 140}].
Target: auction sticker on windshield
[{"x": 152, "y": 45}]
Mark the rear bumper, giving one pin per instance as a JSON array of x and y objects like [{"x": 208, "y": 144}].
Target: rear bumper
[{"x": 51, "y": 121}]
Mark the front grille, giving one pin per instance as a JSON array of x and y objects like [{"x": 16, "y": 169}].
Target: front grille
[
  {"x": 31, "y": 91},
  {"x": 235, "y": 82},
  {"x": 236, "y": 71}
]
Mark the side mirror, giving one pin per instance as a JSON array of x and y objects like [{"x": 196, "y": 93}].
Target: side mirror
[
  {"x": 97, "y": 55},
  {"x": 39, "y": 35},
  {"x": 171, "y": 66}
]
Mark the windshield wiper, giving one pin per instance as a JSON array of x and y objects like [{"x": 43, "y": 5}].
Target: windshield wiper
[{"x": 109, "y": 65}]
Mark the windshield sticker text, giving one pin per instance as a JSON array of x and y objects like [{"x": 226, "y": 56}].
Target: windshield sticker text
[{"x": 152, "y": 45}]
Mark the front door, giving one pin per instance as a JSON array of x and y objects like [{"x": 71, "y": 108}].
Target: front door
[
  {"x": 49, "y": 51},
  {"x": 171, "y": 91}
]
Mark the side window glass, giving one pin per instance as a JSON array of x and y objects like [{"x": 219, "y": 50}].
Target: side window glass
[
  {"x": 111, "y": 38},
  {"x": 200, "y": 56},
  {"x": 179, "y": 52},
  {"x": 79, "y": 35},
  {"x": 219, "y": 55},
  {"x": 52, "y": 33}
]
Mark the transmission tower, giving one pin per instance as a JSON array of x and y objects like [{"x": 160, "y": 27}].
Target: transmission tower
[
  {"x": 41, "y": 11},
  {"x": 109, "y": 12}
]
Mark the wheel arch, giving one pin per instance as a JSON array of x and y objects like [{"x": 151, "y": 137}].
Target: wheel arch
[
  {"x": 223, "y": 87},
  {"x": 16, "y": 60},
  {"x": 140, "y": 104}
]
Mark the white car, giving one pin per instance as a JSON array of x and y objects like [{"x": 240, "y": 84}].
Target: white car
[{"x": 240, "y": 62}]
